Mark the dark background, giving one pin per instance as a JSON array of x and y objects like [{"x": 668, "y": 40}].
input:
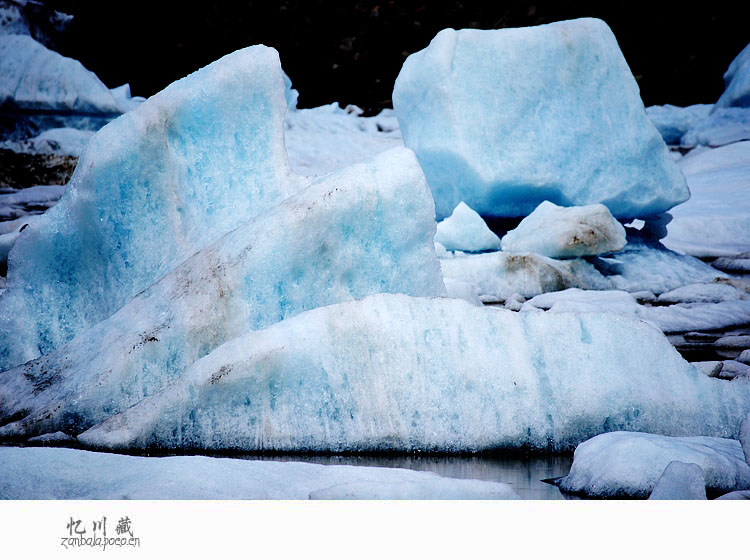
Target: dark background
[{"x": 351, "y": 52}]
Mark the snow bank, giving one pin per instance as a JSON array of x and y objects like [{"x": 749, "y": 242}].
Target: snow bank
[
  {"x": 506, "y": 119},
  {"x": 391, "y": 372},
  {"x": 624, "y": 464},
  {"x": 68, "y": 474},
  {"x": 558, "y": 232}
]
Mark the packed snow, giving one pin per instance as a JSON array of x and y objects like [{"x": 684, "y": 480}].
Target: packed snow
[
  {"x": 471, "y": 106},
  {"x": 69, "y": 474},
  {"x": 680, "y": 481},
  {"x": 629, "y": 464},
  {"x": 394, "y": 373},
  {"x": 558, "y": 232},
  {"x": 465, "y": 230}
]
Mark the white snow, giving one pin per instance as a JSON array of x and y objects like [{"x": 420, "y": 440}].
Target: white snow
[
  {"x": 465, "y": 230},
  {"x": 560, "y": 232},
  {"x": 68, "y": 474},
  {"x": 628, "y": 464},
  {"x": 680, "y": 481},
  {"x": 390, "y": 372},
  {"x": 505, "y": 119}
]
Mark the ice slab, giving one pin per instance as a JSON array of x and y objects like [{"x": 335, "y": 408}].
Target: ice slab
[
  {"x": 327, "y": 138},
  {"x": 559, "y": 232},
  {"x": 35, "y": 78},
  {"x": 154, "y": 186},
  {"x": 715, "y": 222},
  {"x": 311, "y": 250},
  {"x": 70, "y": 474},
  {"x": 721, "y": 127},
  {"x": 703, "y": 293},
  {"x": 627, "y": 464},
  {"x": 508, "y": 118},
  {"x": 680, "y": 481},
  {"x": 673, "y": 122},
  {"x": 504, "y": 274},
  {"x": 390, "y": 372},
  {"x": 465, "y": 230},
  {"x": 737, "y": 82}
]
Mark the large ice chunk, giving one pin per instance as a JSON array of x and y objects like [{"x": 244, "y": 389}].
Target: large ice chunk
[
  {"x": 680, "y": 481},
  {"x": 625, "y": 464},
  {"x": 465, "y": 230},
  {"x": 164, "y": 180},
  {"x": 312, "y": 250},
  {"x": 673, "y": 122},
  {"x": 737, "y": 82},
  {"x": 34, "y": 78},
  {"x": 506, "y": 119},
  {"x": 390, "y": 372},
  {"x": 558, "y": 232},
  {"x": 71, "y": 474}
]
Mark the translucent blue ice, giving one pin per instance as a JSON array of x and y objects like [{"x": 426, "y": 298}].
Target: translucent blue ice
[
  {"x": 506, "y": 119},
  {"x": 737, "y": 82}
]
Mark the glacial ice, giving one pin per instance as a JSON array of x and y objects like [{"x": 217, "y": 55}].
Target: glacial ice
[
  {"x": 745, "y": 437},
  {"x": 737, "y": 82},
  {"x": 673, "y": 122},
  {"x": 560, "y": 232},
  {"x": 125, "y": 101},
  {"x": 627, "y": 464},
  {"x": 63, "y": 141},
  {"x": 680, "y": 481},
  {"x": 35, "y": 473},
  {"x": 721, "y": 127},
  {"x": 465, "y": 230},
  {"x": 716, "y": 219},
  {"x": 391, "y": 372},
  {"x": 506, "y": 119},
  {"x": 703, "y": 293},
  {"x": 312, "y": 250},
  {"x": 154, "y": 186},
  {"x": 34, "y": 78}
]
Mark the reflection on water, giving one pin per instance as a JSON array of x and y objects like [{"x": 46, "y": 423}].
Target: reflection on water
[{"x": 523, "y": 473}]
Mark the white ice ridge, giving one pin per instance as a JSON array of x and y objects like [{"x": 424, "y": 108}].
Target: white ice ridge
[
  {"x": 564, "y": 232},
  {"x": 505, "y": 119},
  {"x": 34, "y": 78},
  {"x": 312, "y": 250},
  {"x": 390, "y": 372},
  {"x": 34, "y": 473},
  {"x": 154, "y": 186},
  {"x": 465, "y": 230},
  {"x": 626, "y": 464}
]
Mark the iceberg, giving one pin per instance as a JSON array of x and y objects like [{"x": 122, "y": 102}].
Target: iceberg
[
  {"x": 465, "y": 230},
  {"x": 506, "y": 119},
  {"x": 70, "y": 474},
  {"x": 624, "y": 464},
  {"x": 312, "y": 250},
  {"x": 395, "y": 373},
  {"x": 35, "y": 78},
  {"x": 172, "y": 176},
  {"x": 558, "y": 232},
  {"x": 737, "y": 82},
  {"x": 680, "y": 481}
]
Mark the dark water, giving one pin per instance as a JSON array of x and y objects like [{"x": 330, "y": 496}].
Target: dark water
[{"x": 523, "y": 473}]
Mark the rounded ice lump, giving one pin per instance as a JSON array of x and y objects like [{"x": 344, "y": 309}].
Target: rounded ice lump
[{"x": 506, "y": 119}]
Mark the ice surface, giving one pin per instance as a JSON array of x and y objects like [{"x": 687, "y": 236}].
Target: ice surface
[
  {"x": 63, "y": 141},
  {"x": 559, "y": 232},
  {"x": 680, "y": 481},
  {"x": 69, "y": 474},
  {"x": 506, "y": 119},
  {"x": 704, "y": 293},
  {"x": 716, "y": 219},
  {"x": 323, "y": 139},
  {"x": 312, "y": 250},
  {"x": 738, "y": 263},
  {"x": 745, "y": 437},
  {"x": 465, "y": 230},
  {"x": 34, "y": 78},
  {"x": 721, "y": 127},
  {"x": 125, "y": 101},
  {"x": 711, "y": 368},
  {"x": 585, "y": 301},
  {"x": 455, "y": 289},
  {"x": 737, "y": 82},
  {"x": 503, "y": 274},
  {"x": 154, "y": 186},
  {"x": 738, "y": 495},
  {"x": 19, "y": 203},
  {"x": 673, "y": 122},
  {"x": 390, "y": 372},
  {"x": 627, "y": 464},
  {"x": 290, "y": 93}
]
